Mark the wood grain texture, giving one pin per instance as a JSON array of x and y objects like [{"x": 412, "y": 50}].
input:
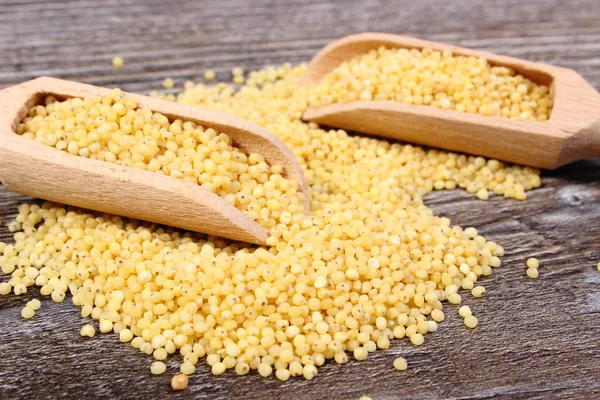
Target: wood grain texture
[
  {"x": 571, "y": 133},
  {"x": 537, "y": 339},
  {"x": 38, "y": 170}
]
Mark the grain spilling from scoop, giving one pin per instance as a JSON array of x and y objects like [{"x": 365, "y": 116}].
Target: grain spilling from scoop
[{"x": 370, "y": 264}]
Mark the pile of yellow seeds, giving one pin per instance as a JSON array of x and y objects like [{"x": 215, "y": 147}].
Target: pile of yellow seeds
[
  {"x": 112, "y": 128},
  {"x": 370, "y": 264},
  {"x": 437, "y": 79}
]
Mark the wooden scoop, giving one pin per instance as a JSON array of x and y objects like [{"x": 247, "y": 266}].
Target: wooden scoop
[
  {"x": 34, "y": 169},
  {"x": 571, "y": 133}
]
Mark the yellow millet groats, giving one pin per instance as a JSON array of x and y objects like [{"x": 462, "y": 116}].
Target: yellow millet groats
[
  {"x": 471, "y": 321},
  {"x": 27, "y": 313},
  {"x": 400, "y": 364},
  {"x": 478, "y": 291},
  {"x": 87, "y": 330},
  {"x": 464, "y": 311},
  {"x": 209, "y": 75},
  {"x": 532, "y": 268},
  {"x": 5, "y": 288},
  {"x": 179, "y": 382},
  {"x": 34, "y": 304},
  {"x": 533, "y": 263},
  {"x": 437, "y": 79},
  {"x": 370, "y": 264},
  {"x": 168, "y": 83},
  {"x": 112, "y": 128},
  {"x": 118, "y": 62},
  {"x": 532, "y": 273},
  {"x": 158, "y": 368}
]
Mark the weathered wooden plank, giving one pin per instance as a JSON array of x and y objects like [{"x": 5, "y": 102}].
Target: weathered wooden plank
[{"x": 536, "y": 338}]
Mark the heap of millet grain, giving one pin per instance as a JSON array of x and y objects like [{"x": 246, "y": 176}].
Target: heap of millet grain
[
  {"x": 437, "y": 79},
  {"x": 370, "y": 264}
]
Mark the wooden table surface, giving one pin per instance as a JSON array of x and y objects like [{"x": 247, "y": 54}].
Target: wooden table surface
[{"x": 536, "y": 339}]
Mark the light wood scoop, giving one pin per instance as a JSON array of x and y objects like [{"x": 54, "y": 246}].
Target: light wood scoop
[
  {"x": 571, "y": 133},
  {"x": 38, "y": 170}
]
